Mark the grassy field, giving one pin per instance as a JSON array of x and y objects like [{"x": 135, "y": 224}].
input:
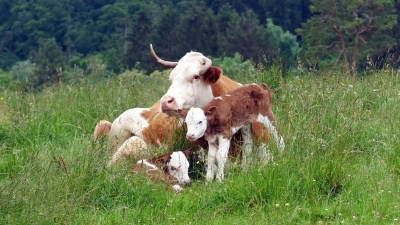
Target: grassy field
[{"x": 341, "y": 163}]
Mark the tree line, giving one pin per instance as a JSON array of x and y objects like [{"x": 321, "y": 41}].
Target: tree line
[{"x": 51, "y": 36}]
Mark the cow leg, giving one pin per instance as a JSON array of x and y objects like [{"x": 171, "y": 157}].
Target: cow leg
[
  {"x": 247, "y": 144},
  {"x": 222, "y": 156},
  {"x": 129, "y": 148},
  {"x": 211, "y": 167}
]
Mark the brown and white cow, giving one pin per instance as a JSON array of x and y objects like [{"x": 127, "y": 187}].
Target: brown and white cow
[
  {"x": 136, "y": 129},
  {"x": 171, "y": 169},
  {"x": 221, "y": 118}
]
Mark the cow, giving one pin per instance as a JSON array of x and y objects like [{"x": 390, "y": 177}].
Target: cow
[
  {"x": 195, "y": 82},
  {"x": 170, "y": 168},
  {"x": 221, "y": 118},
  {"x": 135, "y": 130}
]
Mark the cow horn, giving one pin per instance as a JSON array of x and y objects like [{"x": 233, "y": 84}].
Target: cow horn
[{"x": 161, "y": 62}]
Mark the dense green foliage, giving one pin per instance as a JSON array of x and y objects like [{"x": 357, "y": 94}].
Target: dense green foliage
[
  {"x": 59, "y": 35},
  {"x": 126, "y": 28},
  {"x": 344, "y": 30},
  {"x": 341, "y": 163}
]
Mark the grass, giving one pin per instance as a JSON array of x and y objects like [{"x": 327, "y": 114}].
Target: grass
[{"x": 341, "y": 163}]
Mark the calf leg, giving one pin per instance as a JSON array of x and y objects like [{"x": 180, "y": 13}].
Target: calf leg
[
  {"x": 247, "y": 144},
  {"x": 129, "y": 148},
  {"x": 222, "y": 156},
  {"x": 211, "y": 167}
]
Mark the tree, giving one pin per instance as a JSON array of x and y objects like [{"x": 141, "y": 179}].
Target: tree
[
  {"x": 197, "y": 28},
  {"x": 287, "y": 14},
  {"x": 165, "y": 35},
  {"x": 247, "y": 36},
  {"x": 340, "y": 26},
  {"x": 49, "y": 62},
  {"x": 283, "y": 43},
  {"x": 139, "y": 37}
]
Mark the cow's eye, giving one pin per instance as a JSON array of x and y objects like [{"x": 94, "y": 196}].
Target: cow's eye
[
  {"x": 196, "y": 77},
  {"x": 200, "y": 122},
  {"x": 173, "y": 168}
]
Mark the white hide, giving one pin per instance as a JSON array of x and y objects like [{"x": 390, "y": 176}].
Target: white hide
[
  {"x": 187, "y": 87},
  {"x": 128, "y": 123},
  {"x": 196, "y": 123},
  {"x": 178, "y": 166}
]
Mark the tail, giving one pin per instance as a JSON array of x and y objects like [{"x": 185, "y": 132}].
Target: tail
[{"x": 102, "y": 128}]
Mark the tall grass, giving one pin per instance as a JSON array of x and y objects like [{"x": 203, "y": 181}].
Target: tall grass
[{"x": 341, "y": 163}]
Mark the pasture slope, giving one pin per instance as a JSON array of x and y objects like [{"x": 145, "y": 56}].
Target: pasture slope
[{"x": 341, "y": 163}]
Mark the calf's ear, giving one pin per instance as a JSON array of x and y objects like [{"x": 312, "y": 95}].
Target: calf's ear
[
  {"x": 212, "y": 75},
  {"x": 164, "y": 159},
  {"x": 211, "y": 112}
]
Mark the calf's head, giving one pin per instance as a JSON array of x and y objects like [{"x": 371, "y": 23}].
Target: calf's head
[
  {"x": 197, "y": 120},
  {"x": 178, "y": 166}
]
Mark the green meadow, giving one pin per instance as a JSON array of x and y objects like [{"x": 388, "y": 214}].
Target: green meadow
[{"x": 341, "y": 164}]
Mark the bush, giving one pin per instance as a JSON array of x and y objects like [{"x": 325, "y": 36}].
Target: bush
[
  {"x": 235, "y": 67},
  {"x": 6, "y": 81}
]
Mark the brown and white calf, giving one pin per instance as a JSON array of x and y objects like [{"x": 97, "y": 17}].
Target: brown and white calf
[
  {"x": 221, "y": 118},
  {"x": 171, "y": 169}
]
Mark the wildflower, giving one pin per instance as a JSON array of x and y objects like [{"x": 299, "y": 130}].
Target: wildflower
[
  {"x": 287, "y": 204},
  {"x": 354, "y": 217},
  {"x": 198, "y": 162},
  {"x": 277, "y": 205}
]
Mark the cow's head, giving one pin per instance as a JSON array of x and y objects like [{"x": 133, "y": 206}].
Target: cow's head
[
  {"x": 191, "y": 79},
  {"x": 178, "y": 166}
]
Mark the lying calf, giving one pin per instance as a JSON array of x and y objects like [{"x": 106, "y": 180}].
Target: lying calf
[
  {"x": 171, "y": 168},
  {"x": 221, "y": 118}
]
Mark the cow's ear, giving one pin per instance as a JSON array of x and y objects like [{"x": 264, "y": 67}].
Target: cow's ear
[
  {"x": 182, "y": 113},
  {"x": 212, "y": 74},
  {"x": 211, "y": 112}
]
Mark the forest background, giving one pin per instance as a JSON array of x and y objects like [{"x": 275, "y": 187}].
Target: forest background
[{"x": 42, "y": 40}]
